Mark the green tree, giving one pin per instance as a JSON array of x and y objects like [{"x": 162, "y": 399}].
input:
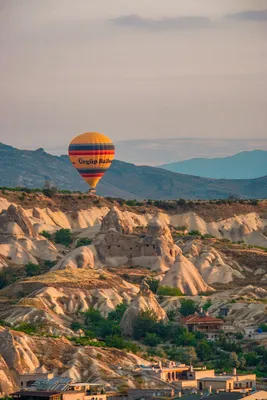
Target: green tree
[
  {"x": 83, "y": 242},
  {"x": 144, "y": 323},
  {"x": 153, "y": 284},
  {"x": 183, "y": 354},
  {"x": 32, "y": 269},
  {"x": 185, "y": 339},
  {"x": 117, "y": 314},
  {"x": 251, "y": 358},
  {"x": 169, "y": 291},
  {"x": 207, "y": 305},
  {"x": 92, "y": 316},
  {"x": 188, "y": 307},
  {"x": 49, "y": 189},
  {"x": 204, "y": 350},
  {"x": 64, "y": 236},
  {"x": 46, "y": 234},
  {"x": 151, "y": 339},
  {"x": 75, "y": 326},
  {"x": 234, "y": 360},
  {"x": 171, "y": 315}
]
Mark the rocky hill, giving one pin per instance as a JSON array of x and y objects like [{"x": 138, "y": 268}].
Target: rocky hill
[
  {"x": 32, "y": 168},
  {"x": 77, "y": 273}
]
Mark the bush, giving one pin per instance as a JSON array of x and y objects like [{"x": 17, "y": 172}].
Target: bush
[
  {"x": 153, "y": 284},
  {"x": 49, "y": 189},
  {"x": 144, "y": 323},
  {"x": 169, "y": 291},
  {"x": 46, "y": 234},
  {"x": 207, "y": 305},
  {"x": 75, "y": 326},
  {"x": 194, "y": 233},
  {"x": 188, "y": 307},
  {"x": 263, "y": 327},
  {"x": 26, "y": 328},
  {"x": 171, "y": 314},
  {"x": 64, "y": 236},
  {"x": 32, "y": 269},
  {"x": 151, "y": 339},
  {"x": 7, "y": 277},
  {"x": 83, "y": 242}
]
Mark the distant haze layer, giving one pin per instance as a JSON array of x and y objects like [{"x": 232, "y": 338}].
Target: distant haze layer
[{"x": 157, "y": 152}]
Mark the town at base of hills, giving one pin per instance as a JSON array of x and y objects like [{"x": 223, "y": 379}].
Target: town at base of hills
[{"x": 102, "y": 298}]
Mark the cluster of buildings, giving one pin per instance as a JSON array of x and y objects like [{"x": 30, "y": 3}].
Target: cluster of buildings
[
  {"x": 179, "y": 380},
  {"x": 186, "y": 378},
  {"x": 47, "y": 387}
]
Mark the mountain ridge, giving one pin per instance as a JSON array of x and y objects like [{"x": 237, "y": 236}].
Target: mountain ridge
[
  {"x": 243, "y": 165},
  {"x": 27, "y": 168}
]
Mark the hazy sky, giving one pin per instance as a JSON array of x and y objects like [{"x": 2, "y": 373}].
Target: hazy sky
[{"x": 132, "y": 69}]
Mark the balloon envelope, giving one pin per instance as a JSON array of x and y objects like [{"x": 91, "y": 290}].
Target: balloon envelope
[{"x": 91, "y": 154}]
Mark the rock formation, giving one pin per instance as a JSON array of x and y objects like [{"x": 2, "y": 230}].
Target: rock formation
[
  {"x": 14, "y": 221},
  {"x": 144, "y": 301},
  {"x": 211, "y": 264},
  {"x": 185, "y": 276},
  {"x": 115, "y": 219},
  {"x": 82, "y": 257}
]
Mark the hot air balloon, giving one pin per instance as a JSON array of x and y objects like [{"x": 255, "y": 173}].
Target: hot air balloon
[{"x": 91, "y": 154}]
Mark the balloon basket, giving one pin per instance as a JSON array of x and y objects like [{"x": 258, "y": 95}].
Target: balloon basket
[{"x": 92, "y": 192}]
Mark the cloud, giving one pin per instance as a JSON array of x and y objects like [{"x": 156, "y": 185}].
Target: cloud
[
  {"x": 252, "y": 15},
  {"x": 189, "y": 22}
]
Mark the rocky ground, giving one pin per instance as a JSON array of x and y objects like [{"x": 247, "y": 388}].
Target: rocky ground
[{"x": 216, "y": 252}]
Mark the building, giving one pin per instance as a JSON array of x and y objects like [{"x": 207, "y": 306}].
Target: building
[
  {"x": 59, "y": 388},
  {"x": 27, "y": 380},
  {"x": 204, "y": 323},
  {"x": 147, "y": 394},
  {"x": 228, "y": 383},
  {"x": 261, "y": 395}
]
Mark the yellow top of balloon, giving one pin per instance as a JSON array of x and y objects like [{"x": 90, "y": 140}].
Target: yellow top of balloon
[{"x": 91, "y": 153}]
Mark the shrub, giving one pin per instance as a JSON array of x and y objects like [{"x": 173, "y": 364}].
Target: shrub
[
  {"x": 171, "y": 314},
  {"x": 169, "y": 291},
  {"x": 46, "y": 234},
  {"x": 207, "y": 305},
  {"x": 194, "y": 233},
  {"x": 208, "y": 236},
  {"x": 188, "y": 307},
  {"x": 64, "y": 236},
  {"x": 75, "y": 326},
  {"x": 263, "y": 327},
  {"x": 151, "y": 339},
  {"x": 153, "y": 284},
  {"x": 181, "y": 202},
  {"x": 49, "y": 264},
  {"x": 180, "y": 228},
  {"x": 26, "y": 327},
  {"x": 49, "y": 189},
  {"x": 32, "y": 269},
  {"x": 83, "y": 242},
  {"x": 144, "y": 323}
]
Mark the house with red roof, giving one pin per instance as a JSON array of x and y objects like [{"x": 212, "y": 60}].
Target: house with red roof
[{"x": 203, "y": 322}]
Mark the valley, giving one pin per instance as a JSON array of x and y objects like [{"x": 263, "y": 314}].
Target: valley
[{"x": 85, "y": 273}]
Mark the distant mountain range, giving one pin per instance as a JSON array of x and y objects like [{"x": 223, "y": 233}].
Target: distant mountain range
[
  {"x": 32, "y": 168},
  {"x": 245, "y": 165}
]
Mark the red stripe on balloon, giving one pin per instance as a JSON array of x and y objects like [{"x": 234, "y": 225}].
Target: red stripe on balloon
[
  {"x": 90, "y": 152},
  {"x": 92, "y": 175}
]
